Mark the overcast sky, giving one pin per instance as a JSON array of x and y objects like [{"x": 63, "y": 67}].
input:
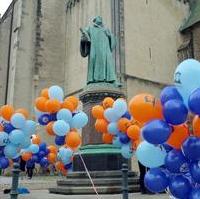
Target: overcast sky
[{"x": 4, "y": 5}]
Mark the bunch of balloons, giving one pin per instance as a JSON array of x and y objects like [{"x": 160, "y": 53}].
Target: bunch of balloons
[
  {"x": 15, "y": 133},
  {"x": 61, "y": 119}
]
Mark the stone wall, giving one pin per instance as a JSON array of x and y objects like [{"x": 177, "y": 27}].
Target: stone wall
[{"x": 196, "y": 41}]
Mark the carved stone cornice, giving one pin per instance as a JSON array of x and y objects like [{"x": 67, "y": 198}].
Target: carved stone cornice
[{"x": 71, "y": 3}]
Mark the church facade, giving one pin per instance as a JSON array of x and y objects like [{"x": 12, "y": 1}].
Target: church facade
[{"x": 40, "y": 44}]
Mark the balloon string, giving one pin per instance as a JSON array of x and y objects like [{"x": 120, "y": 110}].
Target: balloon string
[{"x": 86, "y": 169}]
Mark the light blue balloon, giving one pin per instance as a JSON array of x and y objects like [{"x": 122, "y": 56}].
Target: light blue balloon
[
  {"x": 10, "y": 151},
  {"x": 111, "y": 115},
  {"x": 17, "y": 137},
  {"x": 126, "y": 151},
  {"x": 56, "y": 92},
  {"x": 79, "y": 120},
  {"x": 65, "y": 155},
  {"x": 18, "y": 120},
  {"x": 64, "y": 114},
  {"x": 150, "y": 155},
  {"x": 4, "y": 139},
  {"x": 33, "y": 148},
  {"x": 112, "y": 128},
  {"x": 30, "y": 127},
  {"x": 120, "y": 107},
  {"x": 116, "y": 142},
  {"x": 26, "y": 143},
  {"x": 61, "y": 128},
  {"x": 186, "y": 78}
]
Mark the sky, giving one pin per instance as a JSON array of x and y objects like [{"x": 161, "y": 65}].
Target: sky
[{"x": 4, "y": 5}]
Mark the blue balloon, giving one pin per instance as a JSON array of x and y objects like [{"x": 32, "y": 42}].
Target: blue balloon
[
  {"x": 26, "y": 143},
  {"x": 170, "y": 93},
  {"x": 179, "y": 187},
  {"x": 167, "y": 147},
  {"x": 44, "y": 162},
  {"x": 156, "y": 132},
  {"x": 44, "y": 119},
  {"x": 53, "y": 116},
  {"x": 194, "y": 102},
  {"x": 116, "y": 142},
  {"x": 30, "y": 163},
  {"x": 156, "y": 180},
  {"x": 41, "y": 154},
  {"x": 175, "y": 161},
  {"x": 17, "y": 159},
  {"x": 61, "y": 128},
  {"x": 18, "y": 120},
  {"x": 10, "y": 151},
  {"x": 68, "y": 166},
  {"x": 126, "y": 151},
  {"x": 194, "y": 194},
  {"x": 64, "y": 114},
  {"x": 4, "y": 139},
  {"x": 35, "y": 158},
  {"x": 191, "y": 148},
  {"x": 65, "y": 154},
  {"x": 195, "y": 172},
  {"x": 186, "y": 78},
  {"x": 79, "y": 120},
  {"x": 56, "y": 92},
  {"x": 175, "y": 112},
  {"x": 17, "y": 137},
  {"x": 120, "y": 107},
  {"x": 43, "y": 146},
  {"x": 124, "y": 138},
  {"x": 8, "y": 127},
  {"x": 30, "y": 127},
  {"x": 4, "y": 163},
  {"x": 112, "y": 128},
  {"x": 127, "y": 115},
  {"x": 111, "y": 115},
  {"x": 150, "y": 155},
  {"x": 60, "y": 140},
  {"x": 33, "y": 148}
]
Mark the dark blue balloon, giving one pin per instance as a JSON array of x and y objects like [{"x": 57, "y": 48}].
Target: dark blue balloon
[
  {"x": 167, "y": 147},
  {"x": 44, "y": 162},
  {"x": 44, "y": 119},
  {"x": 43, "y": 146},
  {"x": 8, "y": 127},
  {"x": 53, "y": 117},
  {"x": 191, "y": 148},
  {"x": 156, "y": 132},
  {"x": 41, "y": 154},
  {"x": 169, "y": 93},
  {"x": 35, "y": 158},
  {"x": 195, "y": 194},
  {"x": 124, "y": 138},
  {"x": 156, "y": 180},
  {"x": 2, "y": 151},
  {"x": 175, "y": 161},
  {"x": 30, "y": 163},
  {"x": 195, "y": 171},
  {"x": 60, "y": 140},
  {"x": 175, "y": 112},
  {"x": 194, "y": 102},
  {"x": 46, "y": 152},
  {"x": 16, "y": 159},
  {"x": 68, "y": 166},
  {"x": 4, "y": 162},
  {"x": 127, "y": 115},
  {"x": 180, "y": 187}
]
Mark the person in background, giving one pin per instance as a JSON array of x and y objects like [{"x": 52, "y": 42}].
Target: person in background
[{"x": 30, "y": 166}]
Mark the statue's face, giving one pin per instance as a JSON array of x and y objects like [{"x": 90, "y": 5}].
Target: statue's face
[{"x": 98, "y": 21}]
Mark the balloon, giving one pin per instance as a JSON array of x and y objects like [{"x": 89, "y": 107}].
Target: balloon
[
  {"x": 98, "y": 112},
  {"x": 175, "y": 112},
  {"x": 178, "y": 136},
  {"x": 36, "y": 139},
  {"x": 4, "y": 162},
  {"x": 79, "y": 120},
  {"x": 156, "y": 180},
  {"x": 150, "y": 156},
  {"x": 30, "y": 163},
  {"x": 191, "y": 148},
  {"x": 45, "y": 93},
  {"x": 175, "y": 161},
  {"x": 44, "y": 119},
  {"x": 123, "y": 124},
  {"x": 195, "y": 172},
  {"x": 53, "y": 117},
  {"x": 73, "y": 100},
  {"x": 64, "y": 114},
  {"x": 156, "y": 132},
  {"x": 111, "y": 115},
  {"x": 33, "y": 148},
  {"x": 44, "y": 162},
  {"x": 23, "y": 111},
  {"x": 41, "y": 154},
  {"x": 193, "y": 101},
  {"x": 49, "y": 129},
  {"x": 18, "y": 120},
  {"x": 56, "y": 92},
  {"x": 30, "y": 127},
  {"x": 120, "y": 106},
  {"x": 133, "y": 132},
  {"x": 101, "y": 125},
  {"x": 127, "y": 115},
  {"x": 43, "y": 146},
  {"x": 4, "y": 139},
  {"x": 26, "y": 143},
  {"x": 60, "y": 140},
  {"x": 51, "y": 157},
  {"x": 68, "y": 105},
  {"x": 17, "y": 137},
  {"x": 195, "y": 194},
  {"x": 116, "y": 142},
  {"x": 126, "y": 151},
  {"x": 40, "y": 104},
  {"x": 186, "y": 78},
  {"x": 61, "y": 128},
  {"x": 52, "y": 105},
  {"x": 52, "y": 149},
  {"x": 68, "y": 166},
  {"x": 59, "y": 166},
  {"x": 180, "y": 187},
  {"x": 124, "y": 138},
  {"x": 10, "y": 151},
  {"x": 26, "y": 156},
  {"x": 107, "y": 138},
  {"x": 170, "y": 93},
  {"x": 108, "y": 102},
  {"x": 6, "y": 112},
  {"x": 112, "y": 128},
  {"x": 73, "y": 139},
  {"x": 35, "y": 158},
  {"x": 8, "y": 127}
]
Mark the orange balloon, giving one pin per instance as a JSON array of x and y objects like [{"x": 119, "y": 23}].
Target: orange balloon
[
  {"x": 45, "y": 93},
  {"x": 23, "y": 111},
  {"x": 68, "y": 105},
  {"x": 1, "y": 128},
  {"x": 133, "y": 132},
  {"x": 7, "y": 111},
  {"x": 107, "y": 138},
  {"x": 145, "y": 107},
  {"x": 135, "y": 144},
  {"x": 123, "y": 124},
  {"x": 51, "y": 157},
  {"x": 101, "y": 125},
  {"x": 26, "y": 156},
  {"x": 52, "y": 149},
  {"x": 178, "y": 136},
  {"x": 196, "y": 126},
  {"x": 74, "y": 100},
  {"x": 59, "y": 166},
  {"x": 73, "y": 140},
  {"x": 108, "y": 102},
  {"x": 98, "y": 112},
  {"x": 49, "y": 129},
  {"x": 40, "y": 104},
  {"x": 36, "y": 139},
  {"x": 52, "y": 105}
]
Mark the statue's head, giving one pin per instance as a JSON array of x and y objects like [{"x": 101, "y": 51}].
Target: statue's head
[{"x": 98, "y": 21}]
